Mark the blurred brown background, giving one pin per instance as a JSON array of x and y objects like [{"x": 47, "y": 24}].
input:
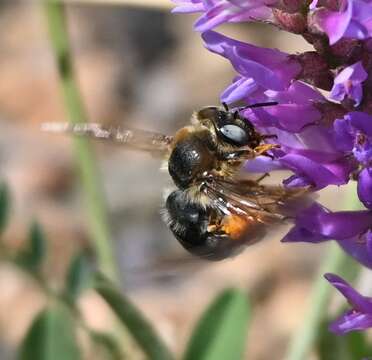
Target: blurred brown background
[{"x": 146, "y": 68}]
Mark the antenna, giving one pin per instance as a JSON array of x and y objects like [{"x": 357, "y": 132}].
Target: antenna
[{"x": 270, "y": 103}]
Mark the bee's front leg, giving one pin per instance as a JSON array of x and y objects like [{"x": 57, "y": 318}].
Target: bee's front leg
[
  {"x": 237, "y": 155},
  {"x": 246, "y": 154},
  {"x": 264, "y": 148}
]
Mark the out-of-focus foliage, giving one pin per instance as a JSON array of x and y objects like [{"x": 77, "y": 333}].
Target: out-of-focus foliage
[
  {"x": 222, "y": 330},
  {"x": 52, "y": 335},
  {"x": 138, "y": 326},
  {"x": 4, "y": 206},
  {"x": 220, "y": 333},
  {"x": 32, "y": 256},
  {"x": 78, "y": 277},
  {"x": 108, "y": 344},
  {"x": 352, "y": 346}
]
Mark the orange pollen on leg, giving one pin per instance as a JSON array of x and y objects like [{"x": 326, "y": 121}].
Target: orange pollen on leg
[{"x": 235, "y": 226}]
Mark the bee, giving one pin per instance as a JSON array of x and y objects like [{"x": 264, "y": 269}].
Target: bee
[{"x": 212, "y": 211}]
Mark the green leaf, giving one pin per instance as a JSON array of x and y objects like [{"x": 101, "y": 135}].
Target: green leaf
[
  {"x": 33, "y": 256},
  {"x": 50, "y": 337},
  {"x": 359, "y": 346},
  {"x": 109, "y": 344},
  {"x": 4, "y": 206},
  {"x": 79, "y": 276},
  {"x": 139, "y": 327},
  {"x": 222, "y": 330}
]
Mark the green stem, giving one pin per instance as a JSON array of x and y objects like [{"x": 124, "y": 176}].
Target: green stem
[
  {"x": 90, "y": 179},
  {"x": 336, "y": 261}
]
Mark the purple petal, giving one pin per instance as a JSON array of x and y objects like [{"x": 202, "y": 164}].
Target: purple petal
[
  {"x": 314, "y": 141},
  {"x": 300, "y": 234},
  {"x": 252, "y": 4},
  {"x": 338, "y": 92},
  {"x": 296, "y": 181},
  {"x": 358, "y": 248},
  {"x": 360, "y": 121},
  {"x": 313, "y": 4},
  {"x": 293, "y": 117},
  {"x": 214, "y": 17},
  {"x": 270, "y": 68},
  {"x": 356, "y": 300},
  {"x": 297, "y": 93},
  {"x": 343, "y": 135},
  {"x": 351, "y": 321},
  {"x": 289, "y": 117},
  {"x": 320, "y": 175},
  {"x": 335, "y": 23},
  {"x": 356, "y": 30},
  {"x": 365, "y": 187},
  {"x": 353, "y": 72},
  {"x": 348, "y": 82},
  {"x": 264, "y": 76},
  {"x": 262, "y": 164},
  {"x": 320, "y": 222},
  {"x": 359, "y": 74},
  {"x": 186, "y": 7},
  {"x": 356, "y": 93},
  {"x": 222, "y": 11},
  {"x": 238, "y": 90},
  {"x": 368, "y": 238}
]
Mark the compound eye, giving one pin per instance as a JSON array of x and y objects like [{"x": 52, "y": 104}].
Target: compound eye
[{"x": 234, "y": 135}]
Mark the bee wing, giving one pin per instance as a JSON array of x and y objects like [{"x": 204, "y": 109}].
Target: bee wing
[
  {"x": 168, "y": 269},
  {"x": 133, "y": 138},
  {"x": 265, "y": 204}
]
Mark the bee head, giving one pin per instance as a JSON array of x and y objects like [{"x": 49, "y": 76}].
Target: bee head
[{"x": 230, "y": 126}]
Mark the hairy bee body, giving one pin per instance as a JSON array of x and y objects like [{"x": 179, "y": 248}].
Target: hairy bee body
[
  {"x": 213, "y": 148},
  {"x": 212, "y": 212}
]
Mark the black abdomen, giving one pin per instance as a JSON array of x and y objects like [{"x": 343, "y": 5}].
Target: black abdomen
[{"x": 189, "y": 223}]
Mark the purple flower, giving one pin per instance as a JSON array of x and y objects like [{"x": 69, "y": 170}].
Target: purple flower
[
  {"x": 351, "y": 229},
  {"x": 359, "y": 317},
  {"x": 259, "y": 68},
  {"x": 348, "y": 83},
  {"x": 353, "y": 136},
  {"x": 307, "y": 147},
  {"x": 365, "y": 187},
  {"x": 352, "y": 19},
  {"x": 317, "y": 166},
  {"x": 321, "y": 142},
  {"x": 217, "y": 12},
  {"x": 360, "y": 248}
]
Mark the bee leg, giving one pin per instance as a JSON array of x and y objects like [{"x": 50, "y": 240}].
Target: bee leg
[
  {"x": 262, "y": 177},
  {"x": 238, "y": 155},
  {"x": 288, "y": 218},
  {"x": 262, "y": 149},
  {"x": 269, "y": 136},
  {"x": 225, "y": 106}
]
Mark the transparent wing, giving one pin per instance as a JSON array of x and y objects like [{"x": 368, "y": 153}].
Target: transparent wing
[
  {"x": 265, "y": 204},
  {"x": 133, "y": 138}
]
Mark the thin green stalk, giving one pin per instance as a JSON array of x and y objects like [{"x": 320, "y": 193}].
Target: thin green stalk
[
  {"x": 90, "y": 177},
  {"x": 336, "y": 261}
]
